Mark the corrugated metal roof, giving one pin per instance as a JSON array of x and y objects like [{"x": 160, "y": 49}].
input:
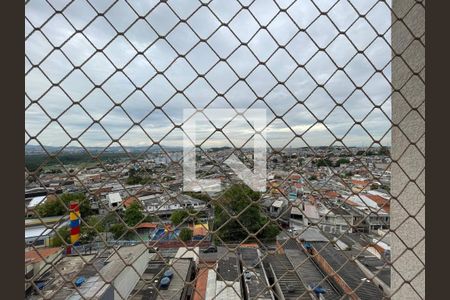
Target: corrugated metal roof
[
  {"x": 308, "y": 271},
  {"x": 349, "y": 271},
  {"x": 288, "y": 280}
]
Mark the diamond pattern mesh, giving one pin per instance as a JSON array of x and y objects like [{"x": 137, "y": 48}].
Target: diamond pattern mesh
[{"x": 106, "y": 85}]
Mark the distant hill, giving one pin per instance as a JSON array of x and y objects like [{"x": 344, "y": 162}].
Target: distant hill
[{"x": 37, "y": 149}]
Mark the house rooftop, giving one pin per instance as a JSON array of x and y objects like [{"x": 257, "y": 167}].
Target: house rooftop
[
  {"x": 182, "y": 269},
  {"x": 35, "y": 255},
  {"x": 308, "y": 270},
  {"x": 290, "y": 284},
  {"x": 257, "y": 286},
  {"x": 201, "y": 283},
  {"x": 349, "y": 271},
  {"x": 147, "y": 286}
]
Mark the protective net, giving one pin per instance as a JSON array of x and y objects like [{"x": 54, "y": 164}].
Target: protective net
[{"x": 224, "y": 149}]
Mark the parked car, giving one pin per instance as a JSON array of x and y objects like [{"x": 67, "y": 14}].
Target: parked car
[
  {"x": 210, "y": 249},
  {"x": 153, "y": 250}
]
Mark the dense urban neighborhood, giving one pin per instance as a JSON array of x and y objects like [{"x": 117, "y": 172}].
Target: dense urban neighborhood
[{"x": 124, "y": 227}]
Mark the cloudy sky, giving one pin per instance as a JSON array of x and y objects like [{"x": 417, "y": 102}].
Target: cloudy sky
[{"x": 117, "y": 80}]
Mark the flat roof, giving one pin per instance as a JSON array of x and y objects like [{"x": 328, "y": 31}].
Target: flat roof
[
  {"x": 181, "y": 273},
  {"x": 213, "y": 256},
  {"x": 228, "y": 269},
  {"x": 147, "y": 286},
  {"x": 185, "y": 252},
  {"x": 257, "y": 285},
  {"x": 110, "y": 267},
  {"x": 311, "y": 211},
  {"x": 42, "y": 230},
  {"x": 34, "y": 255},
  {"x": 93, "y": 288},
  {"x": 67, "y": 268},
  {"x": 45, "y": 220},
  {"x": 296, "y": 211},
  {"x": 114, "y": 197},
  {"x": 36, "y": 201},
  {"x": 119, "y": 260},
  {"x": 312, "y": 234},
  {"x": 277, "y": 203},
  {"x": 228, "y": 290}
]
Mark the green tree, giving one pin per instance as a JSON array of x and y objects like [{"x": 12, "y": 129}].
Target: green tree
[
  {"x": 51, "y": 207},
  {"x": 199, "y": 195},
  {"x": 384, "y": 151},
  {"x": 110, "y": 219},
  {"x": 301, "y": 161},
  {"x": 118, "y": 230},
  {"x": 133, "y": 214},
  {"x": 271, "y": 231},
  {"x": 85, "y": 206},
  {"x": 88, "y": 231},
  {"x": 63, "y": 234},
  {"x": 385, "y": 187},
  {"x": 185, "y": 234},
  {"x": 56, "y": 206},
  {"x": 91, "y": 229},
  {"x": 347, "y": 174},
  {"x": 132, "y": 172},
  {"x": 374, "y": 186},
  {"x": 150, "y": 218},
  {"x": 241, "y": 200},
  {"x": 324, "y": 163},
  {"x": 178, "y": 217},
  {"x": 365, "y": 153},
  {"x": 341, "y": 161}
]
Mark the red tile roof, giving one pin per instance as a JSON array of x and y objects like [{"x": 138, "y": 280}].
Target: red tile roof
[
  {"x": 147, "y": 225},
  {"x": 295, "y": 177},
  {"x": 200, "y": 231},
  {"x": 331, "y": 194},
  {"x": 298, "y": 185},
  {"x": 360, "y": 182},
  {"x": 128, "y": 201},
  {"x": 350, "y": 202},
  {"x": 36, "y": 255},
  {"x": 382, "y": 202},
  {"x": 201, "y": 283}
]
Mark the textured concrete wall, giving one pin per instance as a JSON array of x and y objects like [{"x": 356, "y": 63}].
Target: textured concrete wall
[{"x": 408, "y": 150}]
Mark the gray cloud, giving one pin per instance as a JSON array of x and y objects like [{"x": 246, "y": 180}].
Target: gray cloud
[{"x": 139, "y": 87}]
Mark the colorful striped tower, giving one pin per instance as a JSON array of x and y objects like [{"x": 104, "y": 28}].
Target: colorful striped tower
[{"x": 74, "y": 223}]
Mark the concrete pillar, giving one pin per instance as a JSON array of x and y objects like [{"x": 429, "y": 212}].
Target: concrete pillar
[{"x": 408, "y": 150}]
